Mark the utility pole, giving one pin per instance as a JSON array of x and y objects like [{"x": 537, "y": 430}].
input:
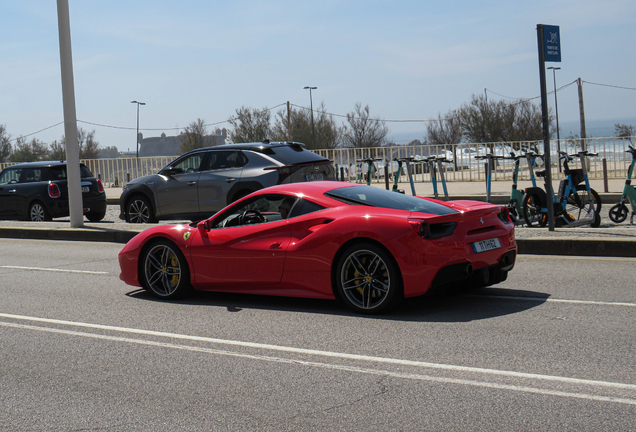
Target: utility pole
[
  {"x": 582, "y": 111},
  {"x": 75, "y": 204},
  {"x": 313, "y": 131},
  {"x": 288, "y": 121}
]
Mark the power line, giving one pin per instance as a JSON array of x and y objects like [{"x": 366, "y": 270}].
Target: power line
[
  {"x": 358, "y": 118},
  {"x": 325, "y": 112},
  {"x": 609, "y": 85}
]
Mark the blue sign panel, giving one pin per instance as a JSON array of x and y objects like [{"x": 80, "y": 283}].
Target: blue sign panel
[{"x": 551, "y": 43}]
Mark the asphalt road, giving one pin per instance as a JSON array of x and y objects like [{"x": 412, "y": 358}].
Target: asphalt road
[{"x": 552, "y": 348}]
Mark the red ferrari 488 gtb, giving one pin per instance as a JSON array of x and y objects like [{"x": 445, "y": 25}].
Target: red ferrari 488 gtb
[{"x": 367, "y": 246}]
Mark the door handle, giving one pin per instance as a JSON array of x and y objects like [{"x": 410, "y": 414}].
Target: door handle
[
  {"x": 276, "y": 245},
  {"x": 12, "y": 191},
  {"x": 191, "y": 183},
  {"x": 230, "y": 179}
]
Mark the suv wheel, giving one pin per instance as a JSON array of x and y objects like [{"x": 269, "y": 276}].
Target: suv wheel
[{"x": 138, "y": 210}]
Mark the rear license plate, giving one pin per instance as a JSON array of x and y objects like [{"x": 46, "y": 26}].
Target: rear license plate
[
  {"x": 486, "y": 245},
  {"x": 314, "y": 177},
  {"x": 85, "y": 189}
]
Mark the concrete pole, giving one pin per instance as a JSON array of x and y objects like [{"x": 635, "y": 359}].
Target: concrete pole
[
  {"x": 582, "y": 114},
  {"x": 70, "y": 117}
]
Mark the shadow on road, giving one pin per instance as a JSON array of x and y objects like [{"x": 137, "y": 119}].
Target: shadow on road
[{"x": 458, "y": 307}]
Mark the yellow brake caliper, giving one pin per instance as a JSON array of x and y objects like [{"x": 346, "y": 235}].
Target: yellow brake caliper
[{"x": 175, "y": 277}]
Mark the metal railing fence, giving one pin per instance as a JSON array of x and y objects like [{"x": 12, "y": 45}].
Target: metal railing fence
[{"x": 464, "y": 167}]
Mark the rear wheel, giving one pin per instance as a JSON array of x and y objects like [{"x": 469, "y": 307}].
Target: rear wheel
[
  {"x": 367, "y": 279},
  {"x": 139, "y": 210},
  {"x": 618, "y": 213},
  {"x": 95, "y": 217},
  {"x": 165, "y": 271},
  {"x": 583, "y": 205},
  {"x": 38, "y": 212},
  {"x": 532, "y": 210}
]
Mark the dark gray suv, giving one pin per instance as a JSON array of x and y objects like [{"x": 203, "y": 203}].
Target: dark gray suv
[{"x": 203, "y": 181}]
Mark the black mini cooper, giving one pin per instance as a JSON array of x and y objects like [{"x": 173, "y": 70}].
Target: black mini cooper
[{"x": 38, "y": 191}]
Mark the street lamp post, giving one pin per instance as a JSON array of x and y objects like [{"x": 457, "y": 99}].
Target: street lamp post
[
  {"x": 311, "y": 102},
  {"x": 556, "y": 109},
  {"x": 138, "y": 103}
]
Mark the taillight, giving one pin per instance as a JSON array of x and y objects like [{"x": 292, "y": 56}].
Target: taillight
[
  {"x": 54, "y": 190},
  {"x": 420, "y": 227},
  {"x": 100, "y": 186},
  {"x": 504, "y": 215}
]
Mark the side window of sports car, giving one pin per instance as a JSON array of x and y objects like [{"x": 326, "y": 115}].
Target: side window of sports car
[
  {"x": 264, "y": 209},
  {"x": 10, "y": 176}
]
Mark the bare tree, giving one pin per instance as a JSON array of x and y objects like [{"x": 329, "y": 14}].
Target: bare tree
[
  {"x": 250, "y": 125},
  {"x": 364, "y": 131},
  {"x": 297, "y": 127},
  {"x": 57, "y": 151},
  {"x": 484, "y": 121},
  {"x": 88, "y": 146},
  {"x": 194, "y": 136},
  {"x": 5, "y": 144},
  {"x": 29, "y": 151},
  {"x": 446, "y": 131},
  {"x": 625, "y": 131}
]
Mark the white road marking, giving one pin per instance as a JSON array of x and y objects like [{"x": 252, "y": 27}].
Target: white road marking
[
  {"x": 402, "y": 375},
  {"x": 53, "y": 269},
  {"x": 330, "y": 354},
  {"x": 548, "y": 299}
]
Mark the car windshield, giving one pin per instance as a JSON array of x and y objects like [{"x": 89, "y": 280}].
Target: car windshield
[{"x": 376, "y": 197}]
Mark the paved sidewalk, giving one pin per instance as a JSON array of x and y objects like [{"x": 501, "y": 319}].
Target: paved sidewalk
[{"x": 608, "y": 240}]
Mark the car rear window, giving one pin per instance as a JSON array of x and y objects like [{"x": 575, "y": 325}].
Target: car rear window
[
  {"x": 376, "y": 197},
  {"x": 59, "y": 172},
  {"x": 294, "y": 154}
]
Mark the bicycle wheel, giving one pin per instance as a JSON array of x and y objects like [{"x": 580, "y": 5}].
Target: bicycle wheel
[
  {"x": 582, "y": 205},
  {"x": 531, "y": 210}
]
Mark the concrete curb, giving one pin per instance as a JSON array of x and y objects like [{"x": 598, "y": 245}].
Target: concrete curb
[
  {"x": 560, "y": 246},
  {"x": 72, "y": 234}
]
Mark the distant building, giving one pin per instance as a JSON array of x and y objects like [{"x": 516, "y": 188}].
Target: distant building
[{"x": 169, "y": 145}]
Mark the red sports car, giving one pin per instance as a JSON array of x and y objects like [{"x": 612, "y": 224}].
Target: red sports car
[{"x": 367, "y": 246}]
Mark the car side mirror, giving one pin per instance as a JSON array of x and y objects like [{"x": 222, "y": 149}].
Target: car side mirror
[{"x": 204, "y": 226}]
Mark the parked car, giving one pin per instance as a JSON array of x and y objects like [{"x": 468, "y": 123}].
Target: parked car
[
  {"x": 38, "y": 191},
  {"x": 203, "y": 181},
  {"x": 367, "y": 246}
]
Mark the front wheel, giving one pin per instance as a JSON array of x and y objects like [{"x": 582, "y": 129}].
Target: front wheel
[
  {"x": 618, "y": 213},
  {"x": 367, "y": 279},
  {"x": 38, "y": 212},
  {"x": 164, "y": 270},
  {"x": 139, "y": 210},
  {"x": 532, "y": 210}
]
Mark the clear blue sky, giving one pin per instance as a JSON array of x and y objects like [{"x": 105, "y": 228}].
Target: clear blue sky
[{"x": 203, "y": 59}]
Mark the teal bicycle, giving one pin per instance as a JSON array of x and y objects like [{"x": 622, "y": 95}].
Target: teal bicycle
[
  {"x": 575, "y": 204},
  {"x": 618, "y": 212},
  {"x": 516, "y": 195}
]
